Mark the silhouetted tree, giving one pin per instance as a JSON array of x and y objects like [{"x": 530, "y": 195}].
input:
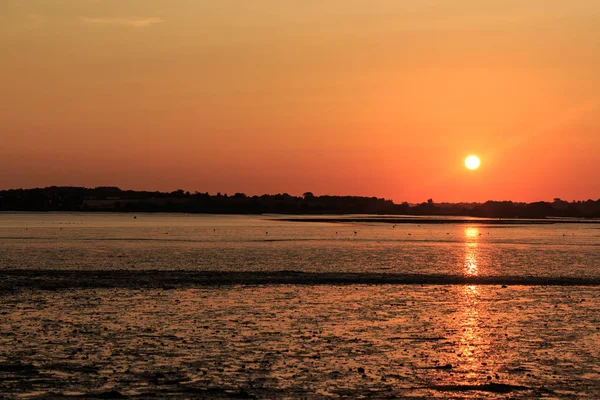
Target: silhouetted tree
[{"x": 114, "y": 199}]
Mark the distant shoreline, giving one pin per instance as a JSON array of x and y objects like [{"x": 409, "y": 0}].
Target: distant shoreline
[
  {"x": 346, "y": 218},
  {"x": 113, "y": 199},
  {"x": 453, "y": 220}
]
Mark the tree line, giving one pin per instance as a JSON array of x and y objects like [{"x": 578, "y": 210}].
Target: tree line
[{"x": 113, "y": 199}]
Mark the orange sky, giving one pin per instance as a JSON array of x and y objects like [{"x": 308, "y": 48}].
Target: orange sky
[{"x": 381, "y": 98}]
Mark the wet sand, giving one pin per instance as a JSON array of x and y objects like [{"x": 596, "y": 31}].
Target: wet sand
[{"x": 301, "y": 341}]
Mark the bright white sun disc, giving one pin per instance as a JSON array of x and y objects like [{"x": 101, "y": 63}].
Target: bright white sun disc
[{"x": 472, "y": 162}]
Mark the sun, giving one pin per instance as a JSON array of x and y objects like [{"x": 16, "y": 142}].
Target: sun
[{"x": 472, "y": 162}]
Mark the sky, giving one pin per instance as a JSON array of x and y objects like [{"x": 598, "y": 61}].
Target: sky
[{"x": 377, "y": 98}]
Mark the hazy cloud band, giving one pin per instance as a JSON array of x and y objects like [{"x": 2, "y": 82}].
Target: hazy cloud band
[{"x": 134, "y": 22}]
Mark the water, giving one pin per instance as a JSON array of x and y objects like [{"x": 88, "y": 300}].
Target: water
[
  {"x": 203, "y": 306},
  {"x": 258, "y": 243}
]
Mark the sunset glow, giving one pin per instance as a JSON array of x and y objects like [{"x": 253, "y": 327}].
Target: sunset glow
[
  {"x": 335, "y": 97},
  {"x": 300, "y": 199}
]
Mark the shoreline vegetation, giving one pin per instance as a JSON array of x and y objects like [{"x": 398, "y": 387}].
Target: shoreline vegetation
[{"x": 113, "y": 199}]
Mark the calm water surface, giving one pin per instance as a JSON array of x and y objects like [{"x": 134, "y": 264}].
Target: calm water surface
[{"x": 258, "y": 243}]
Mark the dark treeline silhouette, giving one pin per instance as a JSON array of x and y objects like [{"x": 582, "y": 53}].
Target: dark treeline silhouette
[{"x": 117, "y": 200}]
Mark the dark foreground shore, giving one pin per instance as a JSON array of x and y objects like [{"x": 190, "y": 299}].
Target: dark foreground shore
[
  {"x": 298, "y": 341},
  {"x": 127, "y": 279}
]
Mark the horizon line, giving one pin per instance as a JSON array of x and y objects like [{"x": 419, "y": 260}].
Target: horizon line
[{"x": 296, "y": 195}]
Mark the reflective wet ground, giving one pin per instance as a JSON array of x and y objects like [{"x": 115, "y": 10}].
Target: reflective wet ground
[
  {"x": 167, "y": 242},
  {"x": 293, "y": 341}
]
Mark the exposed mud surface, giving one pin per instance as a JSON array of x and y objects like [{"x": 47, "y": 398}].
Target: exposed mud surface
[
  {"x": 13, "y": 280},
  {"x": 294, "y": 341}
]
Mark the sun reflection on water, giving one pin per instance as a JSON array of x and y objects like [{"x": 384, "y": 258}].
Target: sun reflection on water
[
  {"x": 471, "y": 236},
  {"x": 471, "y": 338}
]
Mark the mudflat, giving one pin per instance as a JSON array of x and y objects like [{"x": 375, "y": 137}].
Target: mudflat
[{"x": 289, "y": 341}]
